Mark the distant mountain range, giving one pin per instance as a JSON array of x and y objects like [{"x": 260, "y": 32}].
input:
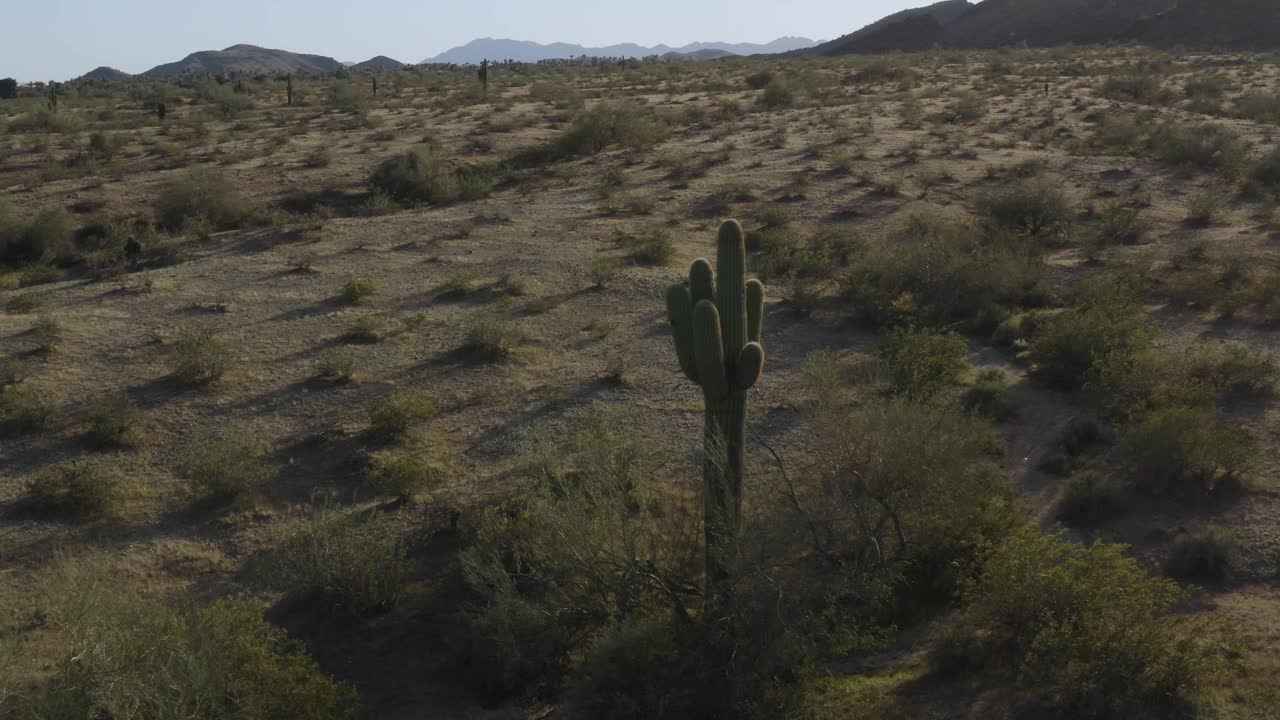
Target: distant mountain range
[
  {"x": 1228, "y": 24},
  {"x": 526, "y": 51},
  {"x": 382, "y": 62},
  {"x": 244, "y": 59}
]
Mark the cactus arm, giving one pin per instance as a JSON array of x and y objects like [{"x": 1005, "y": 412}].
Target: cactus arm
[
  {"x": 708, "y": 350},
  {"x": 701, "y": 283},
  {"x": 731, "y": 268},
  {"x": 750, "y": 365},
  {"x": 755, "y": 311},
  {"x": 680, "y": 313}
]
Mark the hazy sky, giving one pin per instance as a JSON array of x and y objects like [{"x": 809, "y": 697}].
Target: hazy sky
[{"x": 62, "y": 39}]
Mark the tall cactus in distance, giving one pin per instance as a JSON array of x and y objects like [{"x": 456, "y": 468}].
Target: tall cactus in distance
[{"x": 717, "y": 323}]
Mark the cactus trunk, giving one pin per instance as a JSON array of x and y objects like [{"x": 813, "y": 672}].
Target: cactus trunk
[{"x": 716, "y": 323}]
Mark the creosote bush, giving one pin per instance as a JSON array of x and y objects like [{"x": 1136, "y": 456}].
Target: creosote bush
[
  {"x": 201, "y": 193},
  {"x": 1037, "y": 209},
  {"x": 1210, "y": 553},
  {"x": 197, "y": 356},
  {"x": 396, "y": 414},
  {"x": 401, "y": 477},
  {"x": 490, "y": 338},
  {"x": 922, "y": 363},
  {"x": 1084, "y": 630},
  {"x": 424, "y": 175},
  {"x": 226, "y": 464},
  {"x": 81, "y": 489},
  {"x": 356, "y": 560},
  {"x": 217, "y": 660},
  {"x": 357, "y": 290},
  {"x": 1183, "y": 452},
  {"x": 113, "y": 421}
]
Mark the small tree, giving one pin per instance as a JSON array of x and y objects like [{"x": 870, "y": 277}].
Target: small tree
[{"x": 8, "y": 88}]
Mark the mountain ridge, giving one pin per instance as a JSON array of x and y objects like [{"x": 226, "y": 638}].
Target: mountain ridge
[
  {"x": 245, "y": 59},
  {"x": 498, "y": 49}
]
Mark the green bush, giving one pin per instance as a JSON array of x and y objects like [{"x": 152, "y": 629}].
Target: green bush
[
  {"x": 593, "y": 130},
  {"x": 394, "y": 415},
  {"x": 490, "y": 338},
  {"x": 1083, "y": 630},
  {"x": 1068, "y": 348},
  {"x": 921, "y": 363},
  {"x": 1261, "y": 107},
  {"x": 936, "y": 269},
  {"x": 425, "y": 175},
  {"x": 47, "y": 238},
  {"x": 201, "y": 193},
  {"x": 1205, "y": 147},
  {"x": 1143, "y": 88},
  {"x": 1204, "y": 208},
  {"x": 358, "y": 560},
  {"x": 1266, "y": 172},
  {"x": 989, "y": 396},
  {"x": 604, "y": 685},
  {"x": 357, "y": 290},
  {"x": 197, "y": 356},
  {"x": 25, "y": 410},
  {"x": 653, "y": 247},
  {"x": 1035, "y": 209},
  {"x": 81, "y": 489},
  {"x": 126, "y": 656},
  {"x": 337, "y": 365},
  {"x": 777, "y": 95},
  {"x": 1121, "y": 225},
  {"x": 587, "y": 544},
  {"x": 402, "y": 477},
  {"x": 1183, "y": 452},
  {"x": 113, "y": 421},
  {"x": 225, "y": 464},
  {"x": 1090, "y": 498},
  {"x": 1208, "y": 553}
]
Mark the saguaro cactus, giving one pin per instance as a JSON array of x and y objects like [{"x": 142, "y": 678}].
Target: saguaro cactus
[
  {"x": 289, "y": 88},
  {"x": 484, "y": 75},
  {"x": 717, "y": 322}
]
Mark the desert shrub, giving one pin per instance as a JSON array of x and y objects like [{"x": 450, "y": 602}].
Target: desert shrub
[
  {"x": 217, "y": 661},
  {"x": 47, "y": 238},
  {"x": 1084, "y": 630},
  {"x": 1205, "y": 147},
  {"x": 25, "y": 410},
  {"x": 1261, "y": 107},
  {"x": 402, "y": 477},
  {"x": 395, "y": 414},
  {"x": 900, "y": 496},
  {"x": 777, "y": 95},
  {"x": 197, "y": 356},
  {"x": 967, "y": 107},
  {"x": 366, "y": 329},
  {"x": 942, "y": 270},
  {"x": 78, "y": 488},
  {"x": 1208, "y": 553},
  {"x": 989, "y": 396},
  {"x": 1204, "y": 208},
  {"x": 759, "y": 80},
  {"x": 1117, "y": 133},
  {"x": 201, "y": 192},
  {"x": 348, "y": 97},
  {"x": 225, "y": 464},
  {"x": 652, "y": 647},
  {"x": 1266, "y": 172},
  {"x": 422, "y": 174},
  {"x": 588, "y": 543},
  {"x": 224, "y": 101},
  {"x": 358, "y": 560},
  {"x": 1180, "y": 451},
  {"x": 1069, "y": 347},
  {"x": 1036, "y": 208},
  {"x": 1121, "y": 225},
  {"x": 651, "y": 247},
  {"x": 47, "y": 333},
  {"x": 336, "y": 365},
  {"x": 626, "y": 124},
  {"x": 490, "y": 338},
  {"x": 113, "y": 421},
  {"x": 44, "y": 120},
  {"x": 921, "y": 363},
  {"x": 1090, "y": 497},
  {"x": 1136, "y": 88},
  {"x": 357, "y": 290},
  {"x": 603, "y": 270}
]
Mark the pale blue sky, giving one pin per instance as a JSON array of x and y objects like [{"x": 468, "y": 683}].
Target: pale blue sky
[{"x": 61, "y": 39}]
